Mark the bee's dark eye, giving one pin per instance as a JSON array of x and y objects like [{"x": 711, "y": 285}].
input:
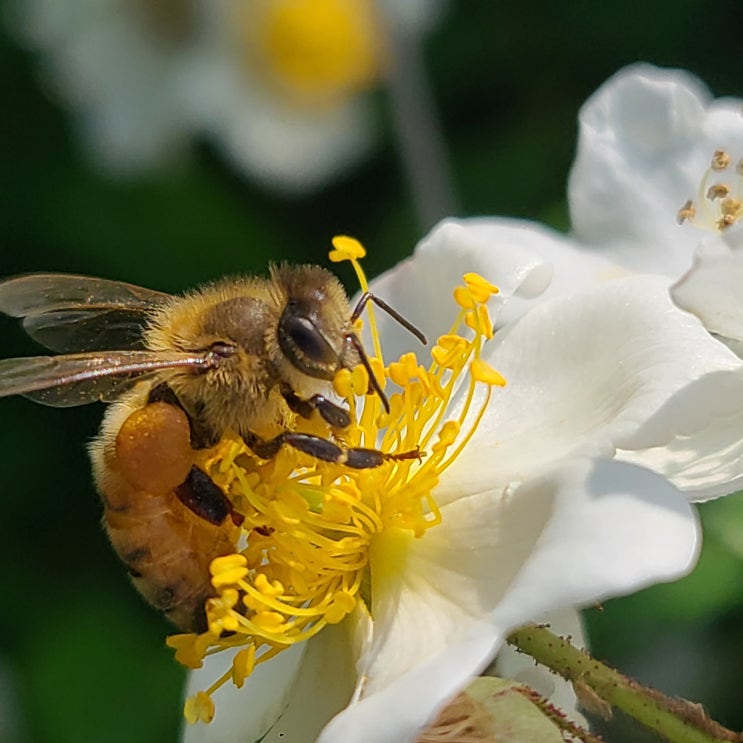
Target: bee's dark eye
[{"x": 304, "y": 345}]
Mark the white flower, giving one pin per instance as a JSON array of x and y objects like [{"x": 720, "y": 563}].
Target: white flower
[
  {"x": 279, "y": 85},
  {"x": 537, "y": 513},
  {"x": 647, "y": 141}
]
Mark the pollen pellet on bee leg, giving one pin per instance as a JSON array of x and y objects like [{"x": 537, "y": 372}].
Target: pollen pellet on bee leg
[{"x": 153, "y": 448}]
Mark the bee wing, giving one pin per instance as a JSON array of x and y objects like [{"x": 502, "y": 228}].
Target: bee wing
[
  {"x": 69, "y": 313},
  {"x": 77, "y": 379}
]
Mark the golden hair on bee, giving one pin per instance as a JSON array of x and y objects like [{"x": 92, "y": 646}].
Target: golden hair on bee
[{"x": 246, "y": 355}]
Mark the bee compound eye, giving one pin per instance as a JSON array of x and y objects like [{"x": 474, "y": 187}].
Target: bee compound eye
[{"x": 304, "y": 345}]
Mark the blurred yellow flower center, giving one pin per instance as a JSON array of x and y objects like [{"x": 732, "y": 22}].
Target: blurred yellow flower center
[
  {"x": 310, "y": 526},
  {"x": 317, "y": 50},
  {"x": 719, "y": 202}
]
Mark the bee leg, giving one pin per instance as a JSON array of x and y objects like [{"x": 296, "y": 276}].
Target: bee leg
[
  {"x": 334, "y": 415},
  {"x": 357, "y": 458},
  {"x": 199, "y": 493}
]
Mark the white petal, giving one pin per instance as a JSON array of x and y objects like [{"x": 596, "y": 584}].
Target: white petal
[
  {"x": 291, "y": 697},
  {"x": 587, "y": 531},
  {"x": 613, "y": 529},
  {"x": 712, "y": 287},
  {"x": 290, "y": 149},
  {"x": 695, "y": 438},
  {"x": 243, "y": 715},
  {"x": 583, "y": 372},
  {"x": 646, "y": 137},
  {"x": 399, "y": 712},
  {"x": 421, "y": 287},
  {"x": 322, "y": 688}
]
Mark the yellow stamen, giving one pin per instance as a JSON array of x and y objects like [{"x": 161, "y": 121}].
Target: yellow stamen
[
  {"x": 481, "y": 371},
  {"x": 720, "y": 160},
  {"x": 346, "y": 249},
  {"x": 199, "y": 708},
  {"x": 314, "y": 529},
  {"x": 719, "y": 205},
  {"x": 228, "y": 570},
  {"x": 243, "y": 665}
]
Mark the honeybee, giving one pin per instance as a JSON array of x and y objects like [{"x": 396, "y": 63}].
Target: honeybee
[{"x": 247, "y": 355}]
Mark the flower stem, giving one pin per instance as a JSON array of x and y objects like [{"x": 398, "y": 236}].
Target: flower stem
[
  {"x": 674, "y": 719},
  {"x": 418, "y": 128}
]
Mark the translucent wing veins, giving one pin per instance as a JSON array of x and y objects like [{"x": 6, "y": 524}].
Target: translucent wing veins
[{"x": 77, "y": 379}]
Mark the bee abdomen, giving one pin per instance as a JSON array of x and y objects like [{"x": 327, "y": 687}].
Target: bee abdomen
[{"x": 166, "y": 546}]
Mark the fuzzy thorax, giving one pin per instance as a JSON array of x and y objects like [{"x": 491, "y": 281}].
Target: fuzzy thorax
[{"x": 313, "y": 529}]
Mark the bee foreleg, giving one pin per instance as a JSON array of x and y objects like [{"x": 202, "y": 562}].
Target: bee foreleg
[
  {"x": 334, "y": 415},
  {"x": 357, "y": 458}
]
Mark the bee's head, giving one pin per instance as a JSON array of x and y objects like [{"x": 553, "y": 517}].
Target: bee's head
[{"x": 313, "y": 330}]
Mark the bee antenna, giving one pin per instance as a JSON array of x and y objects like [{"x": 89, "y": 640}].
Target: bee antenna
[
  {"x": 394, "y": 314},
  {"x": 356, "y": 343}
]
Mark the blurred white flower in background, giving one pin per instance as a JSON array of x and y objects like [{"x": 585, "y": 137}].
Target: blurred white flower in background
[
  {"x": 280, "y": 86},
  {"x": 656, "y": 149}
]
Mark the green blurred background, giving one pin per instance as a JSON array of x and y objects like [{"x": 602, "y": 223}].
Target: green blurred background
[{"x": 82, "y": 658}]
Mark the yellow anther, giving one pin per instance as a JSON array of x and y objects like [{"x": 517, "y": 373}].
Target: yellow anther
[
  {"x": 228, "y": 570},
  {"x": 219, "y": 612},
  {"x": 448, "y": 434},
  {"x": 481, "y": 371},
  {"x": 343, "y": 384},
  {"x": 242, "y": 665},
  {"x": 719, "y": 204},
  {"x": 397, "y": 406},
  {"x": 479, "y": 320},
  {"x": 725, "y": 221},
  {"x": 346, "y": 249},
  {"x": 463, "y": 298},
  {"x": 731, "y": 206},
  {"x": 270, "y": 621},
  {"x": 359, "y": 380},
  {"x": 402, "y": 371},
  {"x": 447, "y": 356},
  {"x": 686, "y": 213},
  {"x": 342, "y": 604},
  {"x": 199, "y": 707},
  {"x": 190, "y": 648},
  {"x": 480, "y": 288},
  {"x": 450, "y": 342},
  {"x": 717, "y": 191},
  {"x": 720, "y": 160},
  {"x": 267, "y": 587}
]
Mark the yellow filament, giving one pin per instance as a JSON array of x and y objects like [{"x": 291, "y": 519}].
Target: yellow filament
[{"x": 310, "y": 525}]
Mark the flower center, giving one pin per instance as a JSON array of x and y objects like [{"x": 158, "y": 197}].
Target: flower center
[
  {"x": 317, "y": 51},
  {"x": 719, "y": 203},
  {"x": 310, "y": 525}
]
